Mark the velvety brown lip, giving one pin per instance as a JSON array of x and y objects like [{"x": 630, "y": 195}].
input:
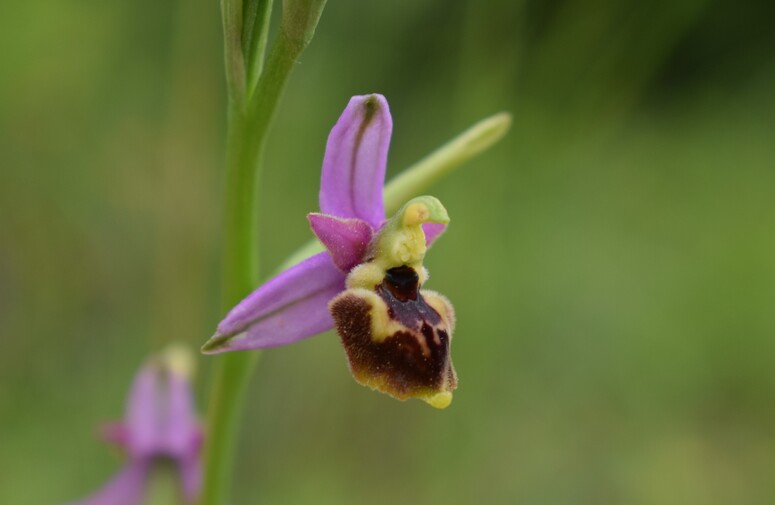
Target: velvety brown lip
[{"x": 412, "y": 361}]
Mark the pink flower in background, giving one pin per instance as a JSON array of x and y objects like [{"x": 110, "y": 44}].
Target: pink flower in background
[{"x": 160, "y": 433}]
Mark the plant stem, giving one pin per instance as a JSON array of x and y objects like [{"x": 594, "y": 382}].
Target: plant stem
[
  {"x": 231, "y": 15},
  {"x": 247, "y": 128},
  {"x": 254, "y": 36}
]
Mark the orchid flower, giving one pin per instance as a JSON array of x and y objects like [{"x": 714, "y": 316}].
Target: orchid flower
[
  {"x": 366, "y": 284},
  {"x": 161, "y": 436}
]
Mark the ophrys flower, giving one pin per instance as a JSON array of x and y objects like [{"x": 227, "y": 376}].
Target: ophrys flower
[
  {"x": 160, "y": 434},
  {"x": 367, "y": 282}
]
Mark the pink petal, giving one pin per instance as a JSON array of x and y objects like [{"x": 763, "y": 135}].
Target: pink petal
[
  {"x": 127, "y": 487},
  {"x": 291, "y": 306},
  {"x": 180, "y": 436},
  {"x": 345, "y": 239},
  {"x": 142, "y": 418},
  {"x": 355, "y": 161},
  {"x": 115, "y": 433},
  {"x": 190, "y": 471},
  {"x": 433, "y": 231}
]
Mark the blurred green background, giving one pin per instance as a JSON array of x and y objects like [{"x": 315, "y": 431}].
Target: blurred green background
[{"x": 612, "y": 261}]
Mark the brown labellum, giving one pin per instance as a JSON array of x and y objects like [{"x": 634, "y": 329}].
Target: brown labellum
[{"x": 397, "y": 337}]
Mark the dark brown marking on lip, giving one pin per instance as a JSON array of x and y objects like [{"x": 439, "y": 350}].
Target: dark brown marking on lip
[
  {"x": 427, "y": 332},
  {"x": 403, "y": 282},
  {"x": 401, "y": 292},
  {"x": 405, "y": 367}
]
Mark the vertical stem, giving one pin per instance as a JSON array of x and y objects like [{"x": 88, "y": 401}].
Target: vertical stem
[
  {"x": 246, "y": 140},
  {"x": 239, "y": 270},
  {"x": 239, "y": 262},
  {"x": 225, "y": 410}
]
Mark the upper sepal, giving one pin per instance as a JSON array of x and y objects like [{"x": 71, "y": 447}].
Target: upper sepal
[{"x": 355, "y": 160}]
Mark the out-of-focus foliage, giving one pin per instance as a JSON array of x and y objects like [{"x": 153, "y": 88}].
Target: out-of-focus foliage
[{"x": 612, "y": 261}]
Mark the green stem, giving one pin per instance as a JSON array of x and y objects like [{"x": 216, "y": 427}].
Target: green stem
[
  {"x": 254, "y": 36},
  {"x": 246, "y": 141},
  {"x": 231, "y": 14},
  {"x": 239, "y": 272}
]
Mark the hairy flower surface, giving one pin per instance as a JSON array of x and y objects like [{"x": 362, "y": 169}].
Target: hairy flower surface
[
  {"x": 160, "y": 434},
  {"x": 367, "y": 284}
]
